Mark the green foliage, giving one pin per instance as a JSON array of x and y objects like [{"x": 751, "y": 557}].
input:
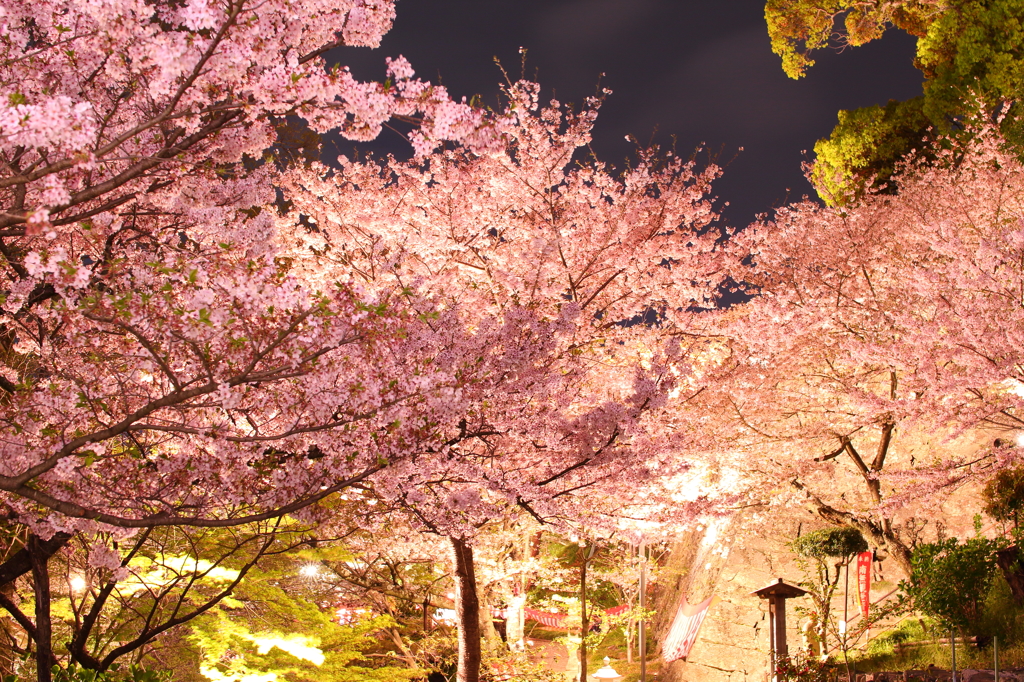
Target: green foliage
[
  {"x": 1001, "y": 615},
  {"x": 837, "y": 542},
  {"x": 626, "y": 621},
  {"x": 886, "y": 643},
  {"x": 915, "y": 642},
  {"x": 972, "y": 50},
  {"x": 969, "y": 51},
  {"x": 950, "y": 581},
  {"x": 1005, "y": 495},
  {"x": 813, "y": 551},
  {"x": 799, "y": 27},
  {"x": 74, "y": 673},
  {"x": 866, "y": 147},
  {"x": 438, "y": 650},
  {"x": 269, "y": 628},
  {"x": 516, "y": 667},
  {"x": 802, "y": 668},
  {"x": 602, "y": 562}
]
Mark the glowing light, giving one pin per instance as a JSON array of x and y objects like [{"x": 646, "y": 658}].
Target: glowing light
[
  {"x": 446, "y": 616},
  {"x": 297, "y": 645},
  {"x": 77, "y": 584},
  {"x": 310, "y": 570}
]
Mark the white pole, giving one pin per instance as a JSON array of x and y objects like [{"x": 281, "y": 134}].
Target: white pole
[
  {"x": 846, "y": 600},
  {"x": 995, "y": 655},
  {"x": 952, "y": 643}
]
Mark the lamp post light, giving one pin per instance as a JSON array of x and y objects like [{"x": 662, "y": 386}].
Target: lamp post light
[{"x": 607, "y": 672}]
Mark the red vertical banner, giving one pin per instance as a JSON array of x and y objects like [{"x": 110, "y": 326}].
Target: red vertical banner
[{"x": 864, "y": 580}]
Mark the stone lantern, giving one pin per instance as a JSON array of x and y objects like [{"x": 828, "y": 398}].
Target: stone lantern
[
  {"x": 607, "y": 672},
  {"x": 777, "y": 593}
]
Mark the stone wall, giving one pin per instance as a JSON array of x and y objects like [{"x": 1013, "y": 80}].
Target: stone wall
[
  {"x": 731, "y": 561},
  {"x": 733, "y": 558},
  {"x": 733, "y": 640}
]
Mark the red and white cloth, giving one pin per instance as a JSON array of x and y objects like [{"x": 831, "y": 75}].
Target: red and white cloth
[
  {"x": 683, "y": 634},
  {"x": 551, "y": 620}
]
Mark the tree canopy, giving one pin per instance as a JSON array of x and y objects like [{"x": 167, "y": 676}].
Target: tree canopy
[
  {"x": 215, "y": 349},
  {"x": 969, "y": 53}
]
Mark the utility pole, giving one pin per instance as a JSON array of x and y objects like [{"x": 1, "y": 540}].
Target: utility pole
[{"x": 643, "y": 604}]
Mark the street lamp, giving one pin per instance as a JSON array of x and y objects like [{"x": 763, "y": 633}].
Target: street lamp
[{"x": 607, "y": 672}]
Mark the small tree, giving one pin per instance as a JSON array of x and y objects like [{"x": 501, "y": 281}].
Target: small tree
[
  {"x": 1005, "y": 495},
  {"x": 950, "y": 581},
  {"x": 814, "y": 550}
]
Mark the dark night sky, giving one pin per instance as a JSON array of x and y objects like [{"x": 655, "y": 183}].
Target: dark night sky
[{"x": 701, "y": 70}]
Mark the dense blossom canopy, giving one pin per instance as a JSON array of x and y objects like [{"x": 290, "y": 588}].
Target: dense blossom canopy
[
  {"x": 568, "y": 289},
  {"x": 155, "y": 352},
  {"x": 193, "y": 337},
  {"x": 885, "y": 334}
]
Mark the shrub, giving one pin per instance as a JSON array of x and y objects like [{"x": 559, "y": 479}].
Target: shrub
[
  {"x": 838, "y": 543},
  {"x": 950, "y": 581}
]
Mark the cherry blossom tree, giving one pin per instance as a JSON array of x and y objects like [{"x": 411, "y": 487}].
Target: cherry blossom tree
[
  {"x": 187, "y": 351},
  {"x": 885, "y": 334},
  {"x": 102, "y": 97},
  {"x": 563, "y": 279},
  {"x": 160, "y": 367},
  {"x": 129, "y": 217},
  {"x": 485, "y": 327},
  {"x": 567, "y": 289}
]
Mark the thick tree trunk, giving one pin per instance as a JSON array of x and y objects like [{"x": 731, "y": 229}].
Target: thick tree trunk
[
  {"x": 878, "y": 534},
  {"x": 1009, "y": 562},
  {"x": 467, "y": 612},
  {"x": 39, "y": 554}
]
